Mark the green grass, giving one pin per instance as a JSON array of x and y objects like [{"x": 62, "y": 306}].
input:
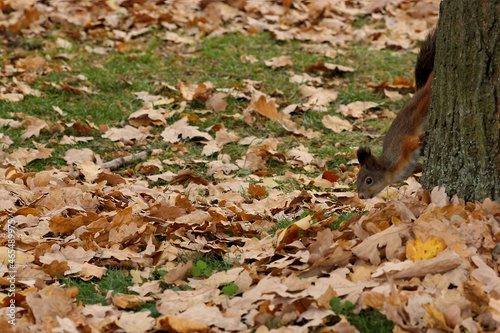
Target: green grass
[
  {"x": 366, "y": 321},
  {"x": 94, "y": 291},
  {"x": 207, "y": 264},
  {"x": 371, "y": 321},
  {"x": 216, "y": 60},
  {"x": 115, "y": 280}
]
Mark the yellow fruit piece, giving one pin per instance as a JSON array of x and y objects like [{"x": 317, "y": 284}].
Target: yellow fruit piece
[{"x": 418, "y": 250}]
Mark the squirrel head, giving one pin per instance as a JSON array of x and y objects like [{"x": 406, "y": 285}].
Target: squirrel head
[{"x": 372, "y": 177}]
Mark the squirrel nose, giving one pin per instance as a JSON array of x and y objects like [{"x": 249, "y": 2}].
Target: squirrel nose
[{"x": 361, "y": 196}]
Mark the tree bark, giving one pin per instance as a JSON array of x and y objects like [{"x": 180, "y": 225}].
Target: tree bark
[{"x": 463, "y": 145}]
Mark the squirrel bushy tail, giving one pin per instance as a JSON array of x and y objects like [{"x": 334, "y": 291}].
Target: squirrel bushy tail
[{"x": 425, "y": 60}]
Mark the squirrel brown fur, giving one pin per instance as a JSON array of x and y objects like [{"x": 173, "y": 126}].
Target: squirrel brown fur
[{"x": 403, "y": 142}]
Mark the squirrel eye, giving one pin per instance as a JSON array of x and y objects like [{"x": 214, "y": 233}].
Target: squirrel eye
[{"x": 368, "y": 180}]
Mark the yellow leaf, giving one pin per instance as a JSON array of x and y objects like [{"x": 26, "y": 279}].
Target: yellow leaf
[
  {"x": 435, "y": 318},
  {"x": 395, "y": 220},
  {"x": 268, "y": 182},
  {"x": 418, "y": 250}
]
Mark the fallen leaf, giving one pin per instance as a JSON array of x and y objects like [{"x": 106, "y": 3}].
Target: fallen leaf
[
  {"x": 336, "y": 124},
  {"x": 277, "y": 62},
  {"x": 418, "y": 250},
  {"x": 33, "y": 126}
]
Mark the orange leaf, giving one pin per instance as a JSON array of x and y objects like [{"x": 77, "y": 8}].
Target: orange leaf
[
  {"x": 266, "y": 107},
  {"x": 257, "y": 190},
  {"x": 331, "y": 176},
  {"x": 402, "y": 82}
]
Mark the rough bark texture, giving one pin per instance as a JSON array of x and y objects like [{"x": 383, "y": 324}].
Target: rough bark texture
[{"x": 463, "y": 144}]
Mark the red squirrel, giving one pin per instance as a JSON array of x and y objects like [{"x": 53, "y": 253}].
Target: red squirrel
[{"x": 404, "y": 140}]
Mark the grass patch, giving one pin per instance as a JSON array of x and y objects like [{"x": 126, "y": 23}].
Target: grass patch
[
  {"x": 366, "y": 321},
  {"x": 285, "y": 223},
  {"x": 115, "y": 76},
  {"x": 204, "y": 265},
  {"x": 94, "y": 291}
]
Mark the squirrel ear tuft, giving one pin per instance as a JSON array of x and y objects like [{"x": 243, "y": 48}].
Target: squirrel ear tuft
[
  {"x": 364, "y": 153},
  {"x": 367, "y": 159}
]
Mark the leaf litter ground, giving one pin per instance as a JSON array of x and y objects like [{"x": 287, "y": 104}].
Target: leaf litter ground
[{"x": 211, "y": 239}]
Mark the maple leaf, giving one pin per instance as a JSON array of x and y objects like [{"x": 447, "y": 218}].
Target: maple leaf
[
  {"x": 79, "y": 155},
  {"x": 330, "y": 68},
  {"x": 74, "y": 257},
  {"x": 291, "y": 126},
  {"x": 5, "y": 140},
  {"x": 146, "y": 116},
  {"x": 248, "y": 58},
  {"x": 277, "y": 62},
  {"x": 31, "y": 63},
  {"x": 11, "y": 97},
  {"x": 216, "y": 102},
  {"x": 137, "y": 322},
  {"x": 304, "y": 78},
  {"x": 150, "y": 101},
  {"x": 33, "y": 126},
  {"x": 181, "y": 130},
  {"x": 127, "y": 133},
  {"x": 23, "y": 156},
  {"x": 318, "y": 98},
  {"x": 393, "y": 95},
  {"x": 391, "y": 238},
  {"x": 418, "y": 250},
  {"x": 90, "y": 170},
  {"x": 336, "y": 124},
  {"x": 263, "y": 105},
  {"x": 301, "y": 154},
  {"x": 435, "y": 318},
  {"x": 176, "y": 324},
  {"x": 222, "y": 164},
  {"x": 90, "y": 271},
  {"x": 356, "y": 109}
]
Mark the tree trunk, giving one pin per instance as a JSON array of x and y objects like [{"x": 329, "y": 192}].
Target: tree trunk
[{"x": 463, "y": 144}]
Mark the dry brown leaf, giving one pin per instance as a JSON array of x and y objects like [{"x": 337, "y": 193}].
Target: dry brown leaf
[
  {"x": 181, "y": 129},
  {"x": 79, "y": 155},
  {"x": 138, "y": 322},
  {"x": 23, "y": 156},
  {"x": 90, "y": 170},
  {"x": 442, "y": 263},
  {"x": 336, "y": 124},
  {"x": 179, "y": 325},
  {"x": 391, "y": 238},
  {"x": 128, "y": 301},
  {"x": 263, "y": 105},
  {"x": 300, "y": 154},
  {"x": 128, "y": 133},
  {"x": 216, "y": 102},
  {"x": 356, "y": 109},
  {"x": 146, "y": 116},
  {"x": 33, "y": 127},
  {"x": 178, "y": 273},
  {"x": 31, "y": 63},
  {"x": 318, "y": 98},
  {"x": 277, "y": 62},
  {"x": 90, "y": 271}
]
